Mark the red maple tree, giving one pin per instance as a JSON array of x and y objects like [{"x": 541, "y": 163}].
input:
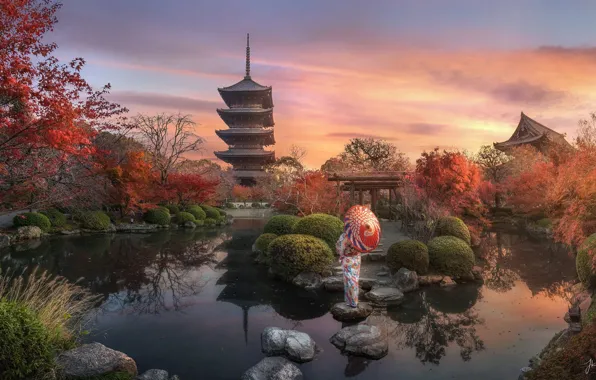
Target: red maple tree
[{"x": 186, "y": 188}]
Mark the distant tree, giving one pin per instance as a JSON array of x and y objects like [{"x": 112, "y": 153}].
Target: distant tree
[
  {"x": 285, "y": 169},
  {"x": 335, "y": 165},
  {"x": 586, "y": 134},
  {"x": 185, "y": 189},
  {"x": 241, "y": 193},
  {"x": 494, "y": 167},
  {"x": 202, "y": 167},
  {"x": 369, "y": 154},
  {"x": 298, "y": 153}
]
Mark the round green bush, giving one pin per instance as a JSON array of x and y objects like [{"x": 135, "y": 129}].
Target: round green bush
[
  {"x": 410, "y": 254},
  {"x": 222, "y": 212},
  {"x": 158, "y": 216},
  {"x": 95, "y": 220},
  {"x": 32, "y": 219},
  {"x": 323, "y": 226},
  {"x": 452, "y": 226},
  {"x": 183, "y": 217},
  {"x": 164, "y": 208},
  {"x": 221, "y": 220},
  {"x": 230, "y": 205},
  {"x": 294, "y": 253},
  {"x": 197, "y": 212},
  {"x": 583, "y": 262},
  {"x": 263, "y": 241},
  {"x": 57, "y": 219},
  {"x": 26, "y": 351},
  {"x": 255, "y": 205},
  {"x": 544, "y": 223},
  {"x": 199, "y": 223},
  {"x": 451, "y": 256},
  {"x": 281, "y": 224},
  {"x": 211, "y": 212},
  {"x": 210, "y": 222},
  {"x": 173, "y": 209}
]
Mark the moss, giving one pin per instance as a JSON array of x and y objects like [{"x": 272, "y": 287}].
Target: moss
[
  {"x": 591, "y": 313},
  {"x": 293, "y": 254},
  {"x": 173, "y": 209},
  {"x": 197, "y": 212},
  {"x": 262, "y": 245},
  {"x": 95, "y": 220},
  {"x": 158, "y": 216},
  {"x": 183, "y": 217},
  {"x": 32, "y": 219},
  {"x": 210, "y": 212},
  {"x": 583, "y": 262},
  {"x": 209, "y": 222},
  {"x": 452, "y": 226},
  {"x": 323, "y": 226},
  {"x": 281, "y": 224},
  {"x": 57, "y": 219},
  {"x": 410, "y": 254},
  {"x": 544, "y": 223},
  {"x": 450, "y": 256}
]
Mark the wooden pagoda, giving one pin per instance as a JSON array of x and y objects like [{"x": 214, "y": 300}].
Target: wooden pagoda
[
  {"x": 531, "y": 132},
  {"x": 249, "y": 118}
]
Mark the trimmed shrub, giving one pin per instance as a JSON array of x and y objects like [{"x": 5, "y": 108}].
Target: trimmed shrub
[
  {"x": 199, "y": 223},
  {"x": 26, "y": 351},
  {"x": 544, "y": 223},
  {"x": 183, "y": 217},
  {"x": 255, "y": 205},
  {"x": 324, "y": 226},
  {"x": 281, "y": 224},
  {"x": 197, "y": 212},
  {"x": 450, "y": 256},
  {"x": 211, "y": 212},
  {"x": 583, "y": 262},
  {"x": 210, "y": 222},
  {"x": 174, "y": 209},
  {"x": 221, "y": 220},
  {"x": 158, "y": 216},
  {"x": 294, "y": 253},
  {"x": 95, "y": 220},
  {"x": 263, "y": 241},
  {"x": 230, "y": 205},
  {"x": 164, "y": 208},
  {"x": 452, "y": 226},
  {"x": 57, "y": 219},
  {"x": 32, "y": 219},
  {"x": 222, "y": 212},
  {"x": 410, "y": 254}
]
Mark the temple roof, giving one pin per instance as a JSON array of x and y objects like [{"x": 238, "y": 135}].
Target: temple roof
[
  {"x": 230, "y": 115},
  {"x": 246, "y": 84},
  {"x": 238, "y": 134},
  {"x": 246, "y": 153},
  {"x": 530, "y": 131},
  {"x": 249, "y": 173}
]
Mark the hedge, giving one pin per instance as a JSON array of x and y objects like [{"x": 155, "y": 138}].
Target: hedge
[
  {"x": 324, "y": 226},
  {"x": 294, "y": 253},
  {"x": 57, "y": 219},
  {"x": 197, "y": 212},
  {"x": 173, "y": 209},
  {"x": 95, "y": 220},
  {"x": 211, "y": 212},
  {"x": 32, "y": 219},
  {"x": 281, "y": 224},
  {"x": 452, "y": 226},
  {"x": 451, "y": 256},
  {"x": 158, "y": 216},
  {"x": 262, "y": 245},
  {"x": 583, "y": 262},
  {"x": 410, "y": 254},
  {"x": 210, "y": 222},
  {"x": 183, "y": 217},
  {"x": 164, "y": 208}
]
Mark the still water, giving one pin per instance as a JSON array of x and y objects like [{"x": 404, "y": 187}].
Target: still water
[{"x": 170, "y": 305}]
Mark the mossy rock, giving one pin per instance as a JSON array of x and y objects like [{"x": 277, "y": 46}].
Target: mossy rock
[
  {"x": 183, "y": 217},
  {"x": 210, "y": 211},
  {"x": 452, "y": 226},
  {"x": 197, "y": 212},
  {"x": 583, "y": 262},
  {"x": 262, "y": 245},
  {"x": 173, "y": 209},
  {"x": 281, "y": 224},
  {"x": 95, "y": 220},
  {"x": 210, "y": 222},
  {"x": 451, "y": 256},
  {"x": 32, "y": 219},
  {"x": 57, "y": 219},
  {"x": 294, "y": 253},
  {"x": 160, "y": 216},
  {"x": 544, "y": 223},
  {"x": 410, "y": 254},
  {"x": 323, "y": 226}
]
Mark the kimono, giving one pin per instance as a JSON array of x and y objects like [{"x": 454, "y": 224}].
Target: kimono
[{"x": 350, "y": 260}]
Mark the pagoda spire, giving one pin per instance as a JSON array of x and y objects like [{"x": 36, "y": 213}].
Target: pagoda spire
[{"x": 247, "y": 56}]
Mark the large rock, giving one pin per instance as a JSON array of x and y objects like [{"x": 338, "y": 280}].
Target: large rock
[
  {"x": 406, "y": 280},
  {"x": 385, "y": 296},
  {"x": 447, "y": 282},
  {"x": 478, "y": 276},
  {"x": 429, "y": 280},
  {"x": 156, "y": 374},
  {"x": 361, "y": 340},
  {"x": 367, "y": 283},
  {"x": 4, "y": 240},
  {"x": 189, "y": 224},
  {"x": 29, "y": 232},
  {"x": 94, "y": 359},
  {"x": 273, "y": 368},
  {"x": 345, "y": 313},
  {"x": 334, "y": 284},
  {"x": 308, "y": 280},
  {"x": 294, "y": 345},
  {"x": 70, "y": 232}
]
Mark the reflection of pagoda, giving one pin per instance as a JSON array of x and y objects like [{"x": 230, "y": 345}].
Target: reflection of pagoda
[{"x": 250, "y": 121}]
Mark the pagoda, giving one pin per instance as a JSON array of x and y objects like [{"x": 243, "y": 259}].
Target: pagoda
[
  {"x": 249, "y": 117},
  {"x": 530, "y": 132}
]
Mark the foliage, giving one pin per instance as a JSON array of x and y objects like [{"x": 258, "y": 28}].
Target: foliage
[
  {"x": 210, "y": 211},
  {"x": 221, "y": 212},
  {"x": 323, "y": 226},
  {"x": 95, "y": 220},
  {"x": 220, "y": 220},
  {"x": 255, "y": 205},
  {"x": 493, "y": 163},
  {"x": 112, "y": 376},
  {"x": 157, "y": 216},
  {"x": 262, "y": 245},
  {"x": 586, "y": 136},
  {"x": 186, "y": 188},
  {"x": 210, "y": 222},
  {"x": 528, "y": 190},
  {"x": 183, "y": 217},
  {"x": 293, "y": 254},
  {"x": 32, "y": 219},
  {"x": 583, "y": 262},
  {"x": 197, "y": 212},
  {"x": 410, "y": 254},
  {"x": 164, "y": 208},
  {"x": 450, "y": 256},
  {"x": 230, "y": 205},
  {"x": 452, "y": 226},
  {"x": 370, "y": 154},
  {"x": 281, "y": 224},
  {"x": 241, "y": 193},
  {"x": 544, "y": 223},
  {"x": 57, "y": 219},
  {"x": 174, "y": 209}
]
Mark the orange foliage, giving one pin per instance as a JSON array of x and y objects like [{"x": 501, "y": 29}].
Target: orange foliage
[
  {"x": 129, "y": 179},
  {"x": 186, "y": 188},
  {"x": 241, "y": 193}
]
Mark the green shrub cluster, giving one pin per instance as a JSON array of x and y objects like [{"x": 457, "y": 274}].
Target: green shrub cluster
[
  {"x": 222, "y": 212},
  {"x": 57, "y": 219},
  {"x": 209, "y": 222},
  {"x": 211, "y": 212},
  {"x": 544, "y": 223},
  {"x": 255, "y": 205},
  {"x": 221, "y": 220},
  {"x": 94, "y": 220},
  {"x": 451, "y": 256},
  {"x": 294, "y": 253},
  {"x": 583, "y": 262},
  {"x": 230, "y": 205},
  {"x": 164, "y": 208},
  {"x": 32, "y": 219},
  {"x": 410, "y": 254},
  {"x": 173, "y": 209},
  {"x": 452, "y": 226},
  {"x": 323, "y": 226},
  {"x": 183, "y": 217},
  {"x": 197, "y": 212},
  {"x": 160, "y": 216},
  {"x": 263, "y": 241},
  {"x": 281, "y": 224}
]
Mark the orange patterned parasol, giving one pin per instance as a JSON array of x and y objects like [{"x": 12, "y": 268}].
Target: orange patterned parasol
[{"x": 362, "y": 228}]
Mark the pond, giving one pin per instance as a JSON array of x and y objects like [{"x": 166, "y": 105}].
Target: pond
[{"x": 168, "y": 306}]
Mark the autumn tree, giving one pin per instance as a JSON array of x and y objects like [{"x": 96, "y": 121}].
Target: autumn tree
[
  {"x": 586, "y": 134},
  {"x": 495, "y": 169},
  {"x": 241, "y": 193},
  {"x": 167, "y": 137},
  {"x": 334, "y": 165},
  {"x": 369, "y": 154},
  {"x": 185, "y": 189}
]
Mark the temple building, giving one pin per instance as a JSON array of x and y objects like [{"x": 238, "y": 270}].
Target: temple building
[
  {"x": 249, "y": 117},
  {"x": 531, "y": 132}
]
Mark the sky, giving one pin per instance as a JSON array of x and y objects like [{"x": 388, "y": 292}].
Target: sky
[{"x": 420, "y": 74}]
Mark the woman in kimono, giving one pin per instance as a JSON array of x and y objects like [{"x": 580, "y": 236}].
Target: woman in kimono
[{"x": 350, "y": 260}]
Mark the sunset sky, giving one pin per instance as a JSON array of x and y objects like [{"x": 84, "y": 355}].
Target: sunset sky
[{"x": 453, "y": 74}]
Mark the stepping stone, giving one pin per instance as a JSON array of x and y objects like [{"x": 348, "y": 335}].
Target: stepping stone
[
  {"x": 277, "y": 368},
  {"x": 447, "y": 282},
  {"x": 308, "y": 280},
  {"x": 429, "y": 280},
  {"x": 333, "y": 284},
  {"x": 345, "y": 313},
  {"x": 367, "y": 283},
  {"x": 385, "y": 296},
  {"x": 406, "y": 280},
  {"x": 361, "y": 340},
  {"x": 294, "y": 345}
]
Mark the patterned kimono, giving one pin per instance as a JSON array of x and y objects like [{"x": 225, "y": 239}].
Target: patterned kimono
[{"x": 350, "y": 261}]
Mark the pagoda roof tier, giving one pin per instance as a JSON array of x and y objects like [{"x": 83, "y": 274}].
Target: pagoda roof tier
[
  {"x": 531, "y": 132},
  {"x": 235, "y": 116},
  {"x": 246, "y": 156},
  {"x": 238, "y": 135},
  {"x": 249, "y": 173},
  {"x": 246, "y": 90}
]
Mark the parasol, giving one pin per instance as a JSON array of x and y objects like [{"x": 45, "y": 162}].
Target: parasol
[{"x": 362, "y": 228}]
